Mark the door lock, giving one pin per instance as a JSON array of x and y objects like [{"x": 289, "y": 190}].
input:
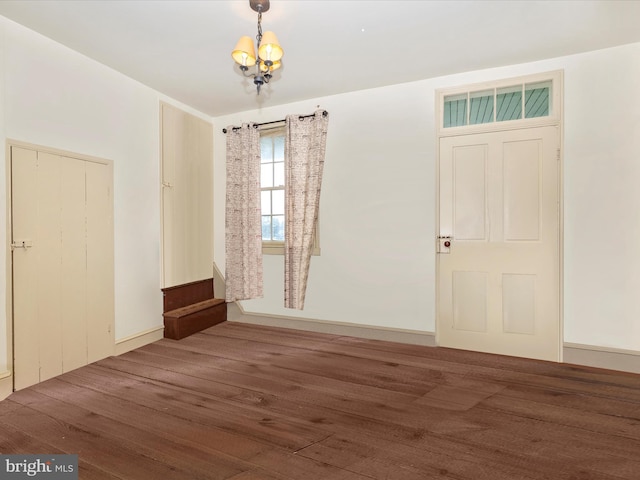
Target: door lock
[
  {"x": 444, "y": 244},
  {"x": 22, "y": 244}
]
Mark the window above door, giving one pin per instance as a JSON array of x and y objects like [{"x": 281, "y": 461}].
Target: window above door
[{"x": 504, "y": 104}]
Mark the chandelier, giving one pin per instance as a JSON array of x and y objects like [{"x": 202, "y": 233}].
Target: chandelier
[{"x": 269, "y": 50}]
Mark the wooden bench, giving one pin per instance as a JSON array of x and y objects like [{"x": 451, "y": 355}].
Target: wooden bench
[{"x": 190, "y": 308}]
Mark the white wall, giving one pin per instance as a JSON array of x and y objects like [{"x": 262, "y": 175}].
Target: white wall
[
  {"x": 602, "y": 207},
  {"x": 378, "y": 202},
  {"x": 55, "y": 97},
  {"x": 376, "y": 266}
]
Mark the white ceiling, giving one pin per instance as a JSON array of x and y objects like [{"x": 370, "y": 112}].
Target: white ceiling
[{"x": 182, "y": 48}]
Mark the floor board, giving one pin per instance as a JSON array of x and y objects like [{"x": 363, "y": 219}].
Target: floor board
[{"x": 246, "y": 402}]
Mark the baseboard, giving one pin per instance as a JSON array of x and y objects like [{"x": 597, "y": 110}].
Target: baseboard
[
  {"x": 577, "y": 354},
  {"x": 602, "y": 357},
  {"x": 6, "y": 384},
  {"x": 138, "y": 340},
  {"x": 235, "y": 313}
]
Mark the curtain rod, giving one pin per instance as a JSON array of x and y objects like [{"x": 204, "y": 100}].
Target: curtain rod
[{"x": 256, "y": 125}]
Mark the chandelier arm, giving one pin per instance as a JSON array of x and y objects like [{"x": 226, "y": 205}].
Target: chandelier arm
[{"x": 245, "y": 71}]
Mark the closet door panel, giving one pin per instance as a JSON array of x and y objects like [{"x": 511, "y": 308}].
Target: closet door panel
[
  {"x": 73, "y": 263},
  {"x": 100, "y": 261},
  {"x": 49, "y": 282}
]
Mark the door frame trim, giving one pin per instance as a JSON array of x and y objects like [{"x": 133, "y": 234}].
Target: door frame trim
[{"x": 555, "y": 119}]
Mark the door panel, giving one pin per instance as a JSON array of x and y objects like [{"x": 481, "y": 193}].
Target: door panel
[
  {"x": 100, "y": 288},
  {"x": 518, "y": 303},
  {"x": 72, "y": 269},
  {"x": 26, "y": 339},
  {"x": 470, "y": 301},
  {"x": 47, "y": 245},
  {"x": 498, "y": 287},
  {"x": 469, "y": 186},
  {"x": 522, "y": 169}
]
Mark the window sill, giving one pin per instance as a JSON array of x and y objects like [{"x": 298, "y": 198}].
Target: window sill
[{"x": 277, "y": 248}]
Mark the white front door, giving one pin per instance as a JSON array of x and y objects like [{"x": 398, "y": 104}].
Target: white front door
[{"x": 498, "y": 261}]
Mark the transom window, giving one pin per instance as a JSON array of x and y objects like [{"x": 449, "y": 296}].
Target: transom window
[{"x": 500, "y": 104}]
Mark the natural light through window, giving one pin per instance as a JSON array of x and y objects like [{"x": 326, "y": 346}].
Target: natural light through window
[
  {"x": 272, "y": 185},
  {"x": 272, "y": 193}
]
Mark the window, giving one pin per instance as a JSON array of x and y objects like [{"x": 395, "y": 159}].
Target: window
[
  {"x": 272, "y": 187},
  {"x": 272, "y": 181},
  {"x": 498, "y": 104}
]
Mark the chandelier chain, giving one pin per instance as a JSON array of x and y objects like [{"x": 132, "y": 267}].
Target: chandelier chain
[{"x": 259, "y": 35}]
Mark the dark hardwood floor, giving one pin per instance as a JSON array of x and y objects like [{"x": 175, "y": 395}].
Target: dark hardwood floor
[{"x": 245, "y": 402}]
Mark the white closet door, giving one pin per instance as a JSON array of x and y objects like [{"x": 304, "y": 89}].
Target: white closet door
[
  {"x": 187, "y": 197},
  {"x": 62, "y": 243}
]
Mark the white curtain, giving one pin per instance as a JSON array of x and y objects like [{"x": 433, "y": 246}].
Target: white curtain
[
  {"x": 305, "y": 143},
  {"x": 243, "y": 237}
]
